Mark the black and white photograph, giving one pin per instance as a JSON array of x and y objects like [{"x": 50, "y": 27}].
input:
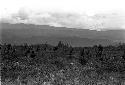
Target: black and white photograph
[{"x": 62, "y": 42}]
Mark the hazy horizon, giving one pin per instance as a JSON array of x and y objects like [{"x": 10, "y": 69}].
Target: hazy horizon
[{"x": 94, "y": 15}]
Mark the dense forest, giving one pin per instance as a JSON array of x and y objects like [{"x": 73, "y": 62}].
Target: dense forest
[{"x": 44, "y": 64}]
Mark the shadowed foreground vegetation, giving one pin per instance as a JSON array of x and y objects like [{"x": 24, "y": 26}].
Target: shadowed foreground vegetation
[{"x": 43, "y": 64}]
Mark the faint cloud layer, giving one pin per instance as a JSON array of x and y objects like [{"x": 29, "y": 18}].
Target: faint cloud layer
[{"x": 70, "y": 20}]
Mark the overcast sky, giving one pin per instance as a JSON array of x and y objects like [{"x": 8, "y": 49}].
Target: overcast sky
[{"x": 92, "y": 14}]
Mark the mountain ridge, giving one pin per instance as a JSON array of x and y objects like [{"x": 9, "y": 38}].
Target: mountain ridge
[{"x": 54, "y": 34}]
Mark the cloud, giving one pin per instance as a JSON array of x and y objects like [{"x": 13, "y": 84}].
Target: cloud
[
  {"x": 104, "y": 21},
  {"x": 111, "y": 20}
]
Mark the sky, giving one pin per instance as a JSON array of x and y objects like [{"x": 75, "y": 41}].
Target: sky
[{"x": 83, "y": 14}]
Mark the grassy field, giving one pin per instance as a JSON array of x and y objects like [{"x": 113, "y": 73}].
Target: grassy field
[{"x": 49, "y": 65}]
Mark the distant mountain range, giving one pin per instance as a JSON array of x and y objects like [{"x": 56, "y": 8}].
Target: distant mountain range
[{"x": 33, "y": 34}]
